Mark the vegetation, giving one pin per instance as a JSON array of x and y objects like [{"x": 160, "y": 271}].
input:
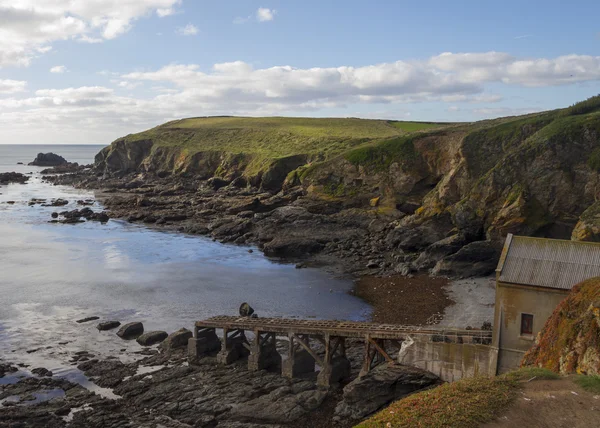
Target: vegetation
[
  {"x": 529, "y": 373},
  {"x": 462, "y": 404},
  {"x": 589, "y": 383},
  {"x": 414, "y": 126},
  {"x": 590, "y": 105},
  {"x": 594, "y": 160},
  {"x": 571, "y": 330},
  {"x": 379, "y": 156}
]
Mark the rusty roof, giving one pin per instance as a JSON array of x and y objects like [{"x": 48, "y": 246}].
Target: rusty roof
[{"x": 552, "y": 263}]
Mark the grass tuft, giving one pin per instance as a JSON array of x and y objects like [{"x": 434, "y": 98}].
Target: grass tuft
[
  {"x": 589, "y": 383},
  {"x": 527, "y": 373}
]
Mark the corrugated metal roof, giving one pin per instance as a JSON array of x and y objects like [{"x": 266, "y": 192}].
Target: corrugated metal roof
[{"x": 552, "y": 263}]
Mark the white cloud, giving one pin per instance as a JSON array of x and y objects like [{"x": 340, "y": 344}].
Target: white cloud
[
  {"x": 8, "y": 86},
  {"x": 188, "y": 30},
  {"x": 264, "y": 14},
  {"x": 28, "y": 25},
  {"x": 183, "y": 90},
  {"x": 162, "y": 12},
  {"x": 59, "y": 69}
]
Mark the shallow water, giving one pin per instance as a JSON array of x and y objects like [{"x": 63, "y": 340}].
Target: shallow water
[{"x": 53, "y": 274}]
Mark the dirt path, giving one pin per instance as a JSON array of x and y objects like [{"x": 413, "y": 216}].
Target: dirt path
[{"x": 551, "y": 404}]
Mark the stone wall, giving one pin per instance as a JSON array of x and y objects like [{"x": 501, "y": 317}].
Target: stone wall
[{"x": 450, "y": 361}]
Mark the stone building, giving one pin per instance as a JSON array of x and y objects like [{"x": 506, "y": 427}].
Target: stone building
[{"x": 533, "y": 276}]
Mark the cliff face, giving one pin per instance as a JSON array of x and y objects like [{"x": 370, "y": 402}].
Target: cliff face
[
  {"x": 570, "y": 340},
  {"x": 433, "y": 192}
]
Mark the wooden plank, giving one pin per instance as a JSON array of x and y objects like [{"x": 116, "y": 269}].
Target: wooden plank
[
  {"x": 310, "y": 351},
  {"x": 381, "y": 351}
]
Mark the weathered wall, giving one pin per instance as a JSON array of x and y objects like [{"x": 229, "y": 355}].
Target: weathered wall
[
  {"x": 449, "y": 361},
  {"x": 511, "y": 301}
]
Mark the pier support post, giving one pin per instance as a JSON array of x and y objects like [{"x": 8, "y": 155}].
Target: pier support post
[
  {"x": 298, "y": 361},
  {"x": 334, "y": 367},
  {"x": 232, "y": 346},
  {"x": 263, "y": 352},
  {"x": 205, "y": 341}
]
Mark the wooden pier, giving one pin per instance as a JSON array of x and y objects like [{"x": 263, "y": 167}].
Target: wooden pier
[{"x": 301, "y": 356}]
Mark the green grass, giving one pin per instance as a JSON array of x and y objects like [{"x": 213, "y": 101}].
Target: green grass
[
  {"x": 380, "y": 155},
  {"x": 527, "y": 373},
  {"x": 414, "y": 126},
  {"x": 466, "y": 403},
  {"x": 271, "y": 137},
  {"x": 589, "y": 383}
]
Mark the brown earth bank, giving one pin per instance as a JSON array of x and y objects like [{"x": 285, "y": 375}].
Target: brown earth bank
[{"x": 413, "y": 300}]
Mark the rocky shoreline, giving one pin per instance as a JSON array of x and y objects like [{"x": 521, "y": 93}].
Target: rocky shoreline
[
  {"x": 165, "y": 389},
  {"x": 289, "y": 224}
]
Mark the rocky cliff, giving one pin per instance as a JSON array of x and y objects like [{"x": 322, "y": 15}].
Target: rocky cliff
[
  {"x": 570, "y": 340},
  {"x": 436, "y": 199}
]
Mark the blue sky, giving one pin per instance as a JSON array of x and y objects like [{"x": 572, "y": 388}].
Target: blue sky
[{"x": 92, "y": 71}]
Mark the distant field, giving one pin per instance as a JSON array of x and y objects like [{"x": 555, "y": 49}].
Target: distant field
[
  {"x": 274, "y": 137},
  {"x": 414, "y": 126}
]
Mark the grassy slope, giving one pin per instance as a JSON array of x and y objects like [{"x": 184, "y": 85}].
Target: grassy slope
[
  {"x": 274, "y": 137},
  {"x": 463, "y": 404}
]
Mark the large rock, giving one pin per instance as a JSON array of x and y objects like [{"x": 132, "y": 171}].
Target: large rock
[
  {"x": 152, "y": 338},
  {"x": 283, "y": 405},
  {"x": 108, "y": 325},
  {"x": 380, "y": 386},
  {"x": 178, "y": 339},
  {"x": 478, "y": 258},
  {"x": 588, "y": 226},
  {"x": 283, "y": 246},
  {"x": 131, "y": 330},
  {"x": 48, "y": 159},
  {"x": 12, "y": 177}
]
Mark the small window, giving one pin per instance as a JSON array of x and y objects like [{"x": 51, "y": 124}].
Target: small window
[{"x": 526, "y": 324}]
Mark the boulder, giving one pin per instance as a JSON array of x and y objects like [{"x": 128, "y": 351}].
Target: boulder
[
  {"x": 178, "y": 339},
  {"x": 152, "y": 337},
  {"x": 48, "y": 159},
  {"x": 216, "y": 183},
  {"x": 108, "y": 325},
  {"x": 246, "y": 310},
  {"x": 478, "y": 258},
  {"x": 40, "y": 371},
  {"x": 131, "y": 330},
  {"x": 282, "y": 246},
  {"x": 383, "y": 384}
]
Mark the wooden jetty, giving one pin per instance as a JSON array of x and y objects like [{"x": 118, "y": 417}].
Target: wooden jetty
[{"x": 302, "y": 357}]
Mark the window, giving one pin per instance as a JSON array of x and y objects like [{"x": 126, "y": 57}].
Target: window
[{"x": 526, "y": 324}]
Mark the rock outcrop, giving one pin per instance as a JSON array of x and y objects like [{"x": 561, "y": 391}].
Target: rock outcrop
[
  {"x": 12, "y": 177},
  {"x": 48, "y": 159},
  {"x": 570, "y": 340}
]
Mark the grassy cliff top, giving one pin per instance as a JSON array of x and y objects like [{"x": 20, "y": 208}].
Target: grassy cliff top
[{"x": 275, "y": 136}]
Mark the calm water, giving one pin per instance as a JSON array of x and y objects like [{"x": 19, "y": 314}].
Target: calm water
[{"x": 52, "y": 274}]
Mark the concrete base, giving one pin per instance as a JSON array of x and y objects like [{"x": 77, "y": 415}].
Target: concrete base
[
  {"x": 338, "y": 370},
  {"x": 235, "y": 350},
  {"x": 264, "y": 359},
  {"x": 302, "y": 362},
  {"x": 200, "y": 346}
]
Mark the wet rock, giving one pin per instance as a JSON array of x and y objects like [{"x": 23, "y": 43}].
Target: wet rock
[
  {"x": 48, "y": 159},
  {"x": 6, "y": 368},
  {"x": 40, "y": 371},
  {"x": 131, "y": 330},
  {"x": 246, "y": 310},
  {"x": 478, "y": 258},
  {"x": 178, "y": 339},
  {"x": 108, "y": 325},
  {"x": 282, "y": 405},
  {"x": 87, "y": 319},
  {"x": 283, "y": 246},
  {"x": 12, "y": 177},
  {"x": 152, "y": 338},
  {"x": 54, "y": 215},
  {"x": 383, "y": 384},
  {"x": 372, "y": 264},
  {"x": 57, "y": 203},
  {"x": 216, "y": 183}
]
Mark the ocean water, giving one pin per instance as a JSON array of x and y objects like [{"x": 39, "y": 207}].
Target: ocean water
[{"x": 53, "y": 274}]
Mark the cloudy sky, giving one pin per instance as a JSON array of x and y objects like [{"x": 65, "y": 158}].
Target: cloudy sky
[{"x": 89, "y": 71}]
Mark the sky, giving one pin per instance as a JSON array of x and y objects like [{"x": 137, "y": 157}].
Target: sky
[{"x": 90, "y": 71}]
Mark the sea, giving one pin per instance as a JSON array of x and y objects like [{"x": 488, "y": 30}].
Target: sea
[{"x": 54, "y": 274}]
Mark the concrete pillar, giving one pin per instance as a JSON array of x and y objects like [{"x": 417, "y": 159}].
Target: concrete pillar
[
  {"x": 232, "y": 348},
  {"x": 204, "y": 342},
  {"x": 297, "y": 362},
  {"x": 263, "y": 352},
  {"x": 337, "y": 370}
]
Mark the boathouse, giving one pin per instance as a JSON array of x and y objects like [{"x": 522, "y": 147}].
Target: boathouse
[{"x": 533, "y": 276}]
